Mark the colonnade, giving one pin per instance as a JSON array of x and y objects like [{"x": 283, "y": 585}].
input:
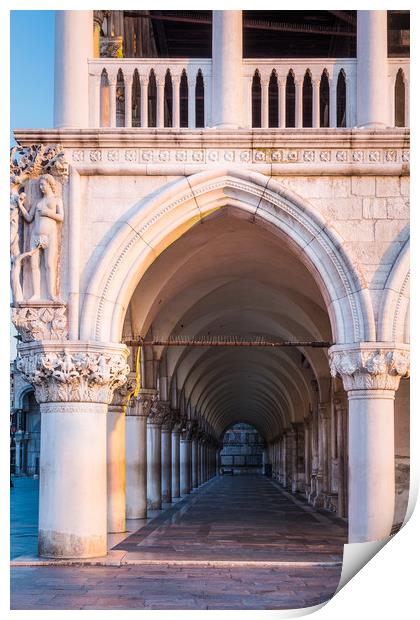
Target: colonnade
[{"x": 75, "y": 34}]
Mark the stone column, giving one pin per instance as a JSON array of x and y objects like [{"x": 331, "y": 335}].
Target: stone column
[
  {"x": 154, "y": 455},
  {"x": 371, "y": 373},
  {"x": 175, "y": 455},
  {"x": 264, "y": 103},
  {"x": 315, "y": 102},
  {"x": 185, "y": 464},
  {"x": 307, "y": 459},
  {"x": 160, "y": 100},
  {"x": 372, "y": 69},
  {"x": 323, "y": 449},
  {"x": 194, "y": 462},
  {"x": 136, "y": 453},
  {"x": 333, "y": 101},
  {"x": 175, "y": 101},
  {"x": 167, "y": 454},
  {"x": 191, "y": 100},
  {"x": 74, "y": 383},
  {"x": 282, "y": 103},
  {"x": 128, "y": 94},
  {"x": 18, "y": 444},
  {"x": 341, "y": 457},
  {"x": 227, "y": 88},
  {"x": 200, "y": 462},
  {"x": 73, "y": 47},
  {"x": 144, "y": 98},
  {"x": 299, "y": 102},
  {"x": 116, "y": 483}
]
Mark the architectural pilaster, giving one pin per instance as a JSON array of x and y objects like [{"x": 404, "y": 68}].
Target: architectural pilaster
[
  {"x": 371, "y": 373},
  {"x": 74, "y": 384}
]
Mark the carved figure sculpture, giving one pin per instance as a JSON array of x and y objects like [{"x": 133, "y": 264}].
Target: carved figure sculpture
[{"x": 45, "y": 215}]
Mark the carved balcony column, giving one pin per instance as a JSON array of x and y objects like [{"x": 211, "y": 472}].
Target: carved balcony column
[
  {"x": 265, "y": 84},
  {"x": 166, "y": 452},
  {"x": 155, "y": 420},
  {"x": 333, "y": 101},
  {"x": 112, "y": 100},
  {"x": 160, "y": 100},
  {"x": 191, "y": 100},
  {"x": 73, "y": 47},
  {"x": 175, "y": 453},
  {"x": 227, "y": 87},
  {"x": 128, "y": 100},
  {"x": 371, "y": 373},
  {"x": 316, "y": 83},
  {"x": 282, "y": 103},
  {"x": 144, "y": 98},
  {"x": 176, "y": 79},
  {"x": 74, "y": 383},
  {"x": 299, "y": 102},
  {"x": 136, "y": 453},
  {"x": 372, "y": 69},
  {"x": 116, "y": 479}
]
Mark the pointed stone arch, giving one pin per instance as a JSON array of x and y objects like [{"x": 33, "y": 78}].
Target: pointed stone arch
[{"x": 154, "y": 223}]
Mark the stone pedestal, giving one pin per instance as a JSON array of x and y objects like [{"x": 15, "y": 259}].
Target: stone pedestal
[{"x": 371, "y": 374}]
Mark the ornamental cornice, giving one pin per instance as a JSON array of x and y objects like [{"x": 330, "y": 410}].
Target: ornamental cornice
[
  {"x": 75, "y": 372},
  {"x": 367, "y": 366}
]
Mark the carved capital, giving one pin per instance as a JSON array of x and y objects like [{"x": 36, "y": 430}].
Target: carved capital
[
  {"x": 368, "y": 366},
  {"x": 36, "y": 321},
  {"x": 122, "y": 395},
  {"x": 77, "y": 372},
  {"x": 144, "y": 402},
  {"x": 159, "y": 412}
]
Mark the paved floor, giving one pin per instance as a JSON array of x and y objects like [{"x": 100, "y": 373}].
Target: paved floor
[{"x": 265, "y": 550}]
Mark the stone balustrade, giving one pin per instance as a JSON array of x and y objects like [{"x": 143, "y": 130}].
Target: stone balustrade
[{"x": 277, "y": 93}]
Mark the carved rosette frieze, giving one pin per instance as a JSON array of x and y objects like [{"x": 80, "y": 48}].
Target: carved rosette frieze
[
  {"x": 370, "y": 366},
  {"x": 73, "y": 373},
  {"x": 122, "y": 395},
  {"x": 40, "y": 322}
]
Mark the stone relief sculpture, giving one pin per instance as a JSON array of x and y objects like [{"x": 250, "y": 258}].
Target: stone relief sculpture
[
  {"x": 44, "y": 216},
  {"x": 35, "y": 223}
]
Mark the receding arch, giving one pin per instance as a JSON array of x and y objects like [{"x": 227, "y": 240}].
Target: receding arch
[{"x": 158, "y": 220}]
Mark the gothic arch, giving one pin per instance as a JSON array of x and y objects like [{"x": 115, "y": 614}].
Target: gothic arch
[
  {"x": 154, "y": 223},
  {"x": 393, "y": 320}
]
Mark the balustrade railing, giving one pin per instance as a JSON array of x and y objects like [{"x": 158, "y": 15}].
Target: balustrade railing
[{"x": 277, "y": 93}]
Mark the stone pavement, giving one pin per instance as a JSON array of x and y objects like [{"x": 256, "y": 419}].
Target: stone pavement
[{"x": 264, "y": 549}]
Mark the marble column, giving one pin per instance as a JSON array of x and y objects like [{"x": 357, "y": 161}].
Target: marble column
[
  {"x": 74, "y": 384},
  {"x": 200, "y": 462},
  {"x": 227, "y": 90},
  {"x": 154, "y": 455},
  {"x": 185, "y": 465},
  {"x": 372, "y": 70},
  {"x": 116, "y": 483},
  {"x": 194, "y": 462},
  {"x": 166, "y": 440},
  {"x": 175, "y": 462},
  {"x": 18, "y": 454},
  {"x": 73, "y": 47},
  {"x": 136, "y": 453},
  {"x": 371, "y": 373},
  {"x": 341, "y": 457}
]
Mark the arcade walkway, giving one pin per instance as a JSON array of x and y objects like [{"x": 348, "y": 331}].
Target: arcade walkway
[{"x": 239, "y": 542}]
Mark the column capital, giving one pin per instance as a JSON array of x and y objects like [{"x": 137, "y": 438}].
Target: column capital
[
  {"x": 370, "y": 365},
  {"x": 143, "y": 402},
  {"x": 122, "y": 395},
  {"x": 159, "y": 412},
  {"x": 73, "y": 371}
]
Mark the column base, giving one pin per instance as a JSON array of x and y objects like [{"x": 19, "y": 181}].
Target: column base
[
  {"x": 152, "y": 505},
  {"x": 60, "y": 545}
]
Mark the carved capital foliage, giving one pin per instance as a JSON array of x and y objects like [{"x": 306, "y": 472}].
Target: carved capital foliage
[
  {"x": 74, "y": 373},
  {"x": 123, "y": 394},
  {"x": 370, "y": 365},
  {"x": 40, "y": 322},
  {"x": 143, "y": 402},
  {"x": 30, "y": 162},
  {"x": 159, "y": 413}
]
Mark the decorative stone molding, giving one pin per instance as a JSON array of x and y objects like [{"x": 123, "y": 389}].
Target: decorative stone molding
[
  {"x": 122, "y": 395},
  {"x": 73, "y": 373},
  {"x": 368, "y": 365},
  {"x": 40, "y": 321}
]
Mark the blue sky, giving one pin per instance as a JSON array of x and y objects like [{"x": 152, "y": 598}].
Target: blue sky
[{"x": 31, "y": 68}]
